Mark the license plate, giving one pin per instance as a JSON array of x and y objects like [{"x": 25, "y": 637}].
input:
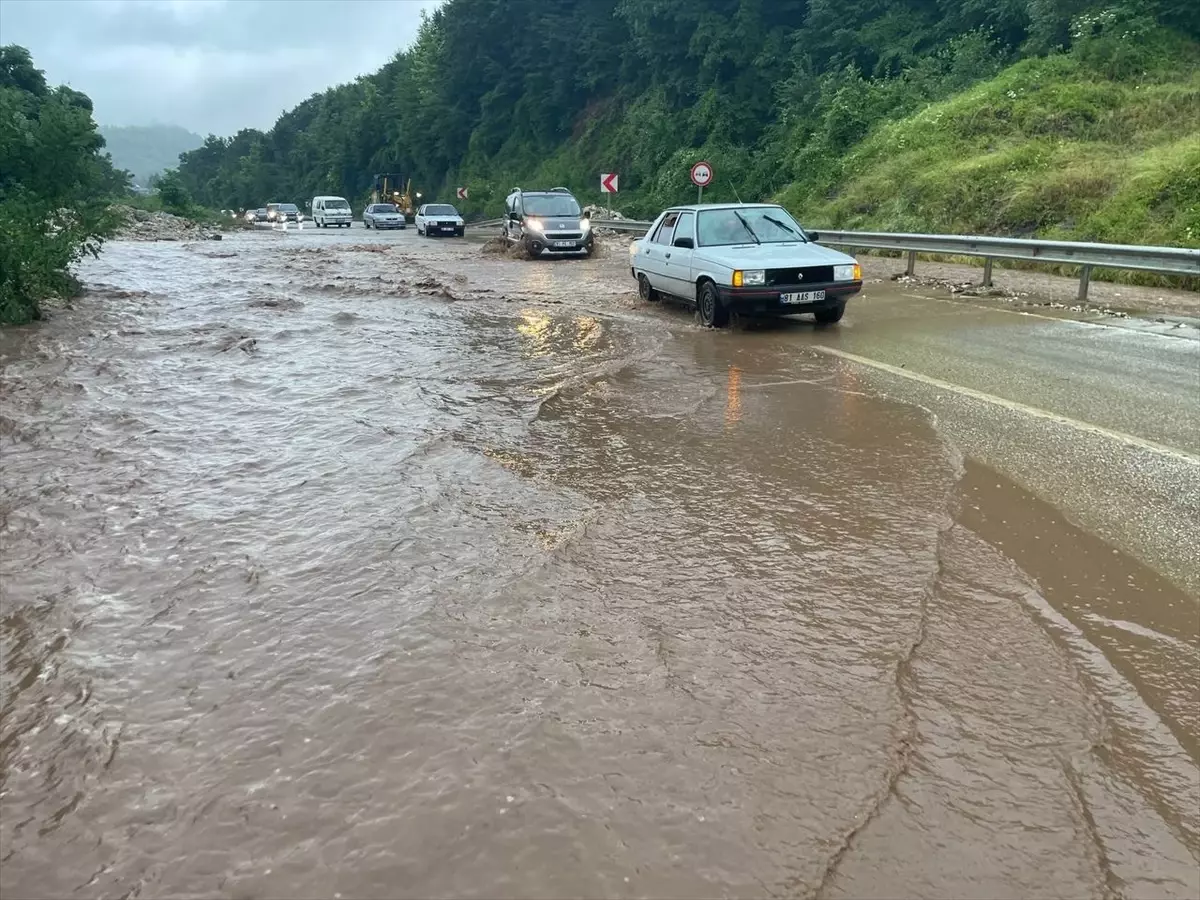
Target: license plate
[
  {"x": 802, "y": 297},
  {"x": 564, "y": 243}
]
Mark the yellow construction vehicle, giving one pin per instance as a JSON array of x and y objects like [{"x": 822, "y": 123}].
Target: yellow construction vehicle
[{"x": 387, "y": 190}]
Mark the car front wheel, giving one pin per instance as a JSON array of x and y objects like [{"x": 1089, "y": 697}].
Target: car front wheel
[
  {"x": 830, "y": 314},
  {"x": 712, "y": 312}
]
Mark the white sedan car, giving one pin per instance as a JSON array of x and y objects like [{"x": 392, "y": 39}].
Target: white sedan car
[
  {"x": 750, "y": 258},
  {"x": 439, "y": 218}
]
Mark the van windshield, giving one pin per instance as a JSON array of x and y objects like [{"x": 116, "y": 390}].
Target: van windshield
[
  {"x": 551, "y": 205},
  {"x": 336, "y": 204}
]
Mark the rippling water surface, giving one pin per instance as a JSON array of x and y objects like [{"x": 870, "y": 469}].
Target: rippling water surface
[{"x": 331, "y": 571}]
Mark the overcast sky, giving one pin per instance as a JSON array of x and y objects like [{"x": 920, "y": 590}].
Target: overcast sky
[{"x": 208, "y": 65}]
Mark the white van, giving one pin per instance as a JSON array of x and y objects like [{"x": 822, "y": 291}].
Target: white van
[{"x": 327, "y": 211}]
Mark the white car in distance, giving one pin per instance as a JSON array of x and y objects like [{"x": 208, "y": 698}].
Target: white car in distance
[{"x": 439, "y": 218}]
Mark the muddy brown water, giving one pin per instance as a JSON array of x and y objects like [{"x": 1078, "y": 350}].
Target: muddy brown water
[{"x": 331, "y": 572}]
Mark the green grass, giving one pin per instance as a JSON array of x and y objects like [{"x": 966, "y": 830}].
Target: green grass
[{"x": 1051, "y": 148}]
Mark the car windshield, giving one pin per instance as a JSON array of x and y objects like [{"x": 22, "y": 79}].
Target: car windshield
[
  {"x": 442, "y": 209},
  {"x": 383, "y": 208},
  {"x": 551, "y": 205},
  {"x": 336, "y": 204},
  {"x": 262, "y": 210},
  {"x": 288, "y": 207},
  {"x": 747, "y": 225}
]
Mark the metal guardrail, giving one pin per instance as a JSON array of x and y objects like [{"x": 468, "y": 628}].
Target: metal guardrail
[{"x": 1130, "y": 257}]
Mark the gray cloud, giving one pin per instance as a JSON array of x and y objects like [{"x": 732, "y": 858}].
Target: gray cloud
[{"x": 208, "y": 65}]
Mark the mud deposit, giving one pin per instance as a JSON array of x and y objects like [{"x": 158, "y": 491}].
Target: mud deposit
[{"x": 422, "y": 572}]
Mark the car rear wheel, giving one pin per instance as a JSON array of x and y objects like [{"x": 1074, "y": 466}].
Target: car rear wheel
[
  {"x": 645, "y": 292},
  {"x": 830, "y": 314},
  {"x": 712, "y": 312}
]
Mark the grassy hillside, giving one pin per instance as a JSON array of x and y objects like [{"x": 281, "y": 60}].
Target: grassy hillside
[{"x": 1050, "y": 147}]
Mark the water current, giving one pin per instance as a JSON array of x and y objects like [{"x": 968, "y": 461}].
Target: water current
[{"x": 337, "y": 571}]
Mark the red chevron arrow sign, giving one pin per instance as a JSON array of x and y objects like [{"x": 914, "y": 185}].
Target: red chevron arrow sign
[{"x": 608, "y": 182}]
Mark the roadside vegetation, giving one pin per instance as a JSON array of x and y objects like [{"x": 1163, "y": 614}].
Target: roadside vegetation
[
  {"x": 1063, "y": 118},
  {"x": 172, "y": 196},
  {"x": 55, "y": 187}
]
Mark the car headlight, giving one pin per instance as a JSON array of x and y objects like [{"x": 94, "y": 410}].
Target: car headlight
[
  {"x": 851, "y": 272},
  {"x": 749, "y": 278},
  {"x": 536, "y": 224},
  {"x": 585, "y": 224}
]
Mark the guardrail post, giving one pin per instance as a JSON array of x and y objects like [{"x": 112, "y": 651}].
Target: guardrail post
[
  {"x": 912, "y": 263},
  {"x": 987, "y": 272},
  {"x": 1085, "y": 279}
]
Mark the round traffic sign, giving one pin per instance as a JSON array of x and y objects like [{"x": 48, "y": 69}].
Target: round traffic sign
[{"x": 702, "y": 174}]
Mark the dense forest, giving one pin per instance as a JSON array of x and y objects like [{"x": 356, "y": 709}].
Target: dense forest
[
  {"x": 56, "y": 183},
  {"x": 147, "y": 150},
  {"x": 1066, "y": 117}
]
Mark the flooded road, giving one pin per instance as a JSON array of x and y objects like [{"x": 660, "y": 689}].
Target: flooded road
[{"x": 346, "y": 565}]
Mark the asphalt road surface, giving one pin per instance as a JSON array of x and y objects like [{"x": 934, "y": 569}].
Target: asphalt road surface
[{"x": 339, "y": 563}]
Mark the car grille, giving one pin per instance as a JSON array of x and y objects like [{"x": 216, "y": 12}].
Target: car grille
[
  {"x": 447, "y": 225},
  {"x": 804, "y": 275},
  {"x": 563, "y": 235}
]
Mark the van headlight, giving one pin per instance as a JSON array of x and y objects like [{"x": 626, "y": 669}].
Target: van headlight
[
  {"x": 585, "y": 225},
  {"x": 851, "y": 272},
  {"x": 536, "y": 224}
]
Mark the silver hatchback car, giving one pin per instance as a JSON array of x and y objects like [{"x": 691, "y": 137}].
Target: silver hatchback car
[
  {"x": 383, "y": 215},
  {"x": 750, "y": 258}
]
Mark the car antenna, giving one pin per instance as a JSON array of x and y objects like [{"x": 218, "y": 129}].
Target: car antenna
[{"x": 736, "y": 194}]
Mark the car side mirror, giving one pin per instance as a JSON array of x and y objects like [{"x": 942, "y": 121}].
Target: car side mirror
[
  {"x": 685, "y": 243},
  {"x": 587, "y": 213},
  {"x": 813, "y": 235}
]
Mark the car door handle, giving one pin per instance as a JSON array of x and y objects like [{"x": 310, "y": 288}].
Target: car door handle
[{"x": 667, "y": 255}]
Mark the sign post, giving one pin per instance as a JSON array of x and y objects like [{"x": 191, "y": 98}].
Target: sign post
[{"x": 702, "y": 174}]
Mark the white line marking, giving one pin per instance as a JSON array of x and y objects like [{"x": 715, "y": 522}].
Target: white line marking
[{"x": 1132, "y": 440}]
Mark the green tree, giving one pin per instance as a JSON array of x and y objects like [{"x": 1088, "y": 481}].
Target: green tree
[
  {"x": 56, "y": 184},
  {"x": 173, "y": 193}
]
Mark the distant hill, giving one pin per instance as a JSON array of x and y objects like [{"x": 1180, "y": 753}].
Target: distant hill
[{"x": 146, "y": 150}]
